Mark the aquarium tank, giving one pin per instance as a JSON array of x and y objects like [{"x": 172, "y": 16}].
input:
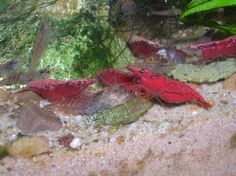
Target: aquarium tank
[{"x": 118, "y": 87}]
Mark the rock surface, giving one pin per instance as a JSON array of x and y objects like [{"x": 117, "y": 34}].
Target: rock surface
[
  {"x": 179, "y": 140},
  {"x": 25, "y": 98},
  {"x": 27, "y": 147},
  {"x": 33, "y": 119}
]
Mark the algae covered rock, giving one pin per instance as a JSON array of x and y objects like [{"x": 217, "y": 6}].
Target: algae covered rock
[
  {"x": 207, "y": 73},
  {"x": 125, "y": 113}
]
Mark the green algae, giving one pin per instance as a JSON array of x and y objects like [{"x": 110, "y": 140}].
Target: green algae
[
  {"x": 124, "y": 113},
  {"x": 204, "y": 74},
  {"x": 81, "y": 43}
]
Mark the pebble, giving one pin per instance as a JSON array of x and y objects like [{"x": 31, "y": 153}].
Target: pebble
[
  {"x": 76, "y": 142},
  {"x": 3, "y": 95},
  {"x": 230, "y": 83},
  {"x": 194, "y": 112},
  {"x": 13, "y": 137},
  {"x": 28, "y": 146},
  {"x": 78, "y": 119}
]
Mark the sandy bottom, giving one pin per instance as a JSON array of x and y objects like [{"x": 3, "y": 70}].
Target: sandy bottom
[{"x": 167, "y": 141}]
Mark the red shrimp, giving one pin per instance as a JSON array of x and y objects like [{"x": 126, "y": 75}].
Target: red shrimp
[
  {"x": 221, "y": 48},
  {"x": 168, "y": 90},
  {"x": 143, "y": 48},
  {"x": 112, "y": 77},
  {"x": 57, "y": 90}
]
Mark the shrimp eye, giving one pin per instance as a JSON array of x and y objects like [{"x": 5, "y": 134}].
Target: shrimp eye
[{"x": 142, "y": 70}]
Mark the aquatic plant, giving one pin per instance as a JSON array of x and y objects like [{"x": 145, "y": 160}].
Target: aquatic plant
[
  {"x": 81, "y": 42},
  {"x": 200, "y": 9}
]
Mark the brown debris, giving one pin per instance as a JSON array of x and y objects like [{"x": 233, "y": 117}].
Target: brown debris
[
  {"x": 120, "y": 140},
  {"x": 66, "y": 140},
  {"x": 145, "y": 160},
  {"x": 232, "y": 141}
]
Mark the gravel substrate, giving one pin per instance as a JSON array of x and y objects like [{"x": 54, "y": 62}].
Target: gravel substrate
[{"x": 167, "y": 141}]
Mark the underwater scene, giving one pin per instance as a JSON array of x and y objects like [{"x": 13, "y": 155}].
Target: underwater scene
[{"x": 118, "y": 87}]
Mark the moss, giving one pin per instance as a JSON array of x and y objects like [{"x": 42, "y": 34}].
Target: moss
[
  {"x": 208, "y": 73},
  {"x": 82, "y": 43},
  {"x": 16, "y": 40}
]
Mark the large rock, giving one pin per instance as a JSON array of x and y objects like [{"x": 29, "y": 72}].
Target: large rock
[
  {"x": 33, "y": 119},
  {"x": 25, "y": 98},
  {"x": 27, "y": 147}
]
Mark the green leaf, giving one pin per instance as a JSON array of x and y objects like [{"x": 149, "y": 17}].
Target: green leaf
[
  {"x": 228, "y": 28},
  {"x": 198, "y": 6},
  {"x": 195, "y": 3}
]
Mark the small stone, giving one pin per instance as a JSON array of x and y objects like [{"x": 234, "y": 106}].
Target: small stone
[
  {"x": 78, "y": 119},
  {"x": 13, "y": 137},
  {"x": 28, "y": 147},
  {"x": 230, "y": 83},
  {"x": 224, "y": 102},
  {"x": 76, "y": 142},
  {"x": 164, "y": 127},
  {"x": 3, "y": 95},
  {"x": 194, "y": 107},
  {"x": 211, "y": 102},
  {"x": 194, "y": 112},
  {"x": 100, "y": 154},
  {"x": 153, "y": 122},
  {"x": 33, "y": 119},
  {"x": 112, "y": 129}
]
